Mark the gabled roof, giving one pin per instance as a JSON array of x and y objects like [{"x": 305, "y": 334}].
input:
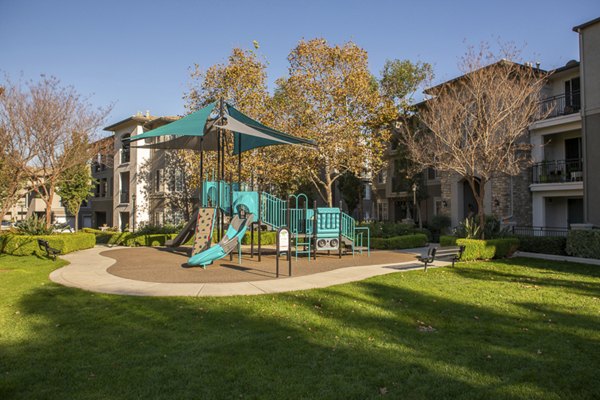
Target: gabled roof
[
  {"x": 586, "y": 24},
  {"x": 139, "y": 119}
]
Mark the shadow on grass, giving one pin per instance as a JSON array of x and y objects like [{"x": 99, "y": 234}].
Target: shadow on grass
[{"x": 350, "y": 341}]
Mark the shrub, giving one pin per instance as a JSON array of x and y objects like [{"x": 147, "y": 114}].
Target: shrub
[
  {"x": 584, "y": 243},
  {"x": 447, "y": 240},
  {"x": 439, "y": 223},
  {"x": 265, "y": 238},
  {"x": 159, "y": 229},
  {"x": 399, "y": 242},
  {"x": 487, "y": 249},
  {"x": 26, "y": 245},
  {"x": 33, "y": 226},
  {"x": 543, "y": 244}
]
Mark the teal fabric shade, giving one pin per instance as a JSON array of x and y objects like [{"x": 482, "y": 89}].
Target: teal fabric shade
[
  {"x": 196, "y": 132},
  {"x": 243, "y": 142},
  {"x": 190, "y": 125}
]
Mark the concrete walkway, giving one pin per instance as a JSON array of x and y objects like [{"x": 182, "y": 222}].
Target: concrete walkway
[{"x": 88, "y": 270}]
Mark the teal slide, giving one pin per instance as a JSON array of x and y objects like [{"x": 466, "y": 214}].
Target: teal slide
[{"x": 233, "y": 236}]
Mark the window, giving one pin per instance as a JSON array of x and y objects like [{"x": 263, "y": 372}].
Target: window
[
  {"x": 158, "y": 181},
  {"x": 382, "y": 210},
  {"x": 382, "y": 176},
  {"x": 125, "y": 149},
  {"x": 103, "y": 188},
  {"x": 432, "y": 174}
]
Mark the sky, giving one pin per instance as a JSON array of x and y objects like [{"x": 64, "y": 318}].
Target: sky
[{"x": 136, "y": 55}]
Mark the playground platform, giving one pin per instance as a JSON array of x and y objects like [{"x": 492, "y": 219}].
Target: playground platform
[{"x": 158, "y": 271}]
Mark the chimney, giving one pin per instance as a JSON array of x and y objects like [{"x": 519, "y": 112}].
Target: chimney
[{"x": 147, "y": 113}]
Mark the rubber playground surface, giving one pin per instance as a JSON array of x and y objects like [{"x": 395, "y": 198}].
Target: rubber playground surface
[{"x": 163, "y": 265}]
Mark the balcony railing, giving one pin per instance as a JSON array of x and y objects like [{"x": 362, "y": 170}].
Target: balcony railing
[
  {"x": 564, "y": 104},
  {"x": 558, "y": 171},
  {"x": 124, "y": 198}
]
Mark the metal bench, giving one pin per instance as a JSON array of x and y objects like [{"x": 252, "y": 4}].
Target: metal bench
[
  {"x": 454, "y": 253},
  {"x": 50, "y": 251}
]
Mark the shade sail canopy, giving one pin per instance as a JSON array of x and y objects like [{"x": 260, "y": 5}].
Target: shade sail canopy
[
  {"x": 191, "y": 125},
  {"x": 196, "y": 132}
]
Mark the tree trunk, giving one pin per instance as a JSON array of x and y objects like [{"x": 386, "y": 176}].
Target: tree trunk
[
  {"x": 49, "y": 207},
  {"x": 76, "y": 220}
]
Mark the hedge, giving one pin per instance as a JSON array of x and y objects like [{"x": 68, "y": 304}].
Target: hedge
[
  {"x": 265, "y": 238},
  {"x": 392, "y": 229},
  {"x": 131, "y": 239},
  {"x": 543, "y": 244},
  {"x": 487, "y": 249},
  {"x": 584, "y": 243},
  {"x": 448, "y": 240},
  {"x": 26, "y": 245},
  {"x": 399, "y": 242}
]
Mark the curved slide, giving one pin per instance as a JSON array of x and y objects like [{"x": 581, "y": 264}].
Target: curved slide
[{"x": 233, "y": 236}]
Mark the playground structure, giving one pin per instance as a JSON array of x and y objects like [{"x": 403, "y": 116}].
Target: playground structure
[
  {"x": 312, "y": 228},
  {"x": 334, "y": 230}
]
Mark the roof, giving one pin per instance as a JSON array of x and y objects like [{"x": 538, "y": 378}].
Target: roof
[
  {"x": 586, "y": 24},
  {"x": 430, "y": 89},
  {"x": 140, "y": 119},
  {"x": 160, "y": 121}
]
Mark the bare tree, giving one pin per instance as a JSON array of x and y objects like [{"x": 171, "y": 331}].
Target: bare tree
[
  {"x": 17, "y": 148},
  {"x": 476, "y": 125},
  {"x": 55, "y": 129}
]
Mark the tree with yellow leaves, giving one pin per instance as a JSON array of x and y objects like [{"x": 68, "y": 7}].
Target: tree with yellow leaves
[{"x": 330, "y": 96}]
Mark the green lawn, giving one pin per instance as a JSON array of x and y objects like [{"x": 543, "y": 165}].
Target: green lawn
[{"x": 506, "y": 329}]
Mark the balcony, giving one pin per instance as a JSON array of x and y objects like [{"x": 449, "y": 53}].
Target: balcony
[
  {"x": 558, "y": 171},
  {"x": 564, "y": 104},
  {"x": 124, "y": 197}
]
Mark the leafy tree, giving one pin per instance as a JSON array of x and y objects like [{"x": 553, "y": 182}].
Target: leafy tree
[
  {"x": 76, "y": 185},
  {"x": 475, "y": 126},
  {"x": 331, "y": 97}
]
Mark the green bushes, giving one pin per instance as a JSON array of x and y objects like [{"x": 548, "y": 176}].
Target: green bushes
[
  {"x": 399, "y": 242},
  {"x": 130, "y": 239},
  {"x": 543, "y": 244},
  {"x": 584, "y": 243},
  {"x": 26, "y": 245},
  {"x": 392, "y": 229},
  {"x": 487, "y": 249},
  {"x": 448, "y": 240},
  {"x": 265, "y": 238}
]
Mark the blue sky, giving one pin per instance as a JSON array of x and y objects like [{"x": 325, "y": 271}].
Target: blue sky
[{"x": 136, "y": 54}]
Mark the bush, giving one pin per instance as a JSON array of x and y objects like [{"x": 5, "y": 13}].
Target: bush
[
  {"x": 33, "y": 226},
  {"x": 265, "y": 238},
  {"x": 487, "y": 249},
  {"x": 133, "y": 239},
  {"x": 584, "y": 243},
  {"x": 392, "y": 229},
  {"x": 159, "y": 229},
  {"x": 439, "y": 223},
  {"x": 543, "y": 244},
  {"x": 447, "y": 240},
  {"x": 399, "y": 242},
  {"x": 26, "y": 245}
]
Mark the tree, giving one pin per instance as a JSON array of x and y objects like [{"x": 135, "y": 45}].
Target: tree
[
  {"x": 76, "y": 185},
  {"x": 59, "y": 127},
  {"x": 17, "y": 145},
  {"x": 475, "y": 126},
  {"x": 331, "y": 97}
]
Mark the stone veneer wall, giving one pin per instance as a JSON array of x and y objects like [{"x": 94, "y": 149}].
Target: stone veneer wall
[{"x": 522, "y": 206}]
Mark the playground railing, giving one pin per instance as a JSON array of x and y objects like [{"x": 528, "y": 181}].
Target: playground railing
[
  {"x": 272, "y": 210},
  {"x": 348, "y": 226}
]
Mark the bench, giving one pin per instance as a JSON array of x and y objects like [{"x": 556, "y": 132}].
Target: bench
[
  {"x": 454, "y": 253},
  {"x": 50, "y": 251}
]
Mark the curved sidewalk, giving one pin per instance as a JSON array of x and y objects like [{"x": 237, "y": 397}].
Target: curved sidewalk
[{"x": 88, "y": 270}]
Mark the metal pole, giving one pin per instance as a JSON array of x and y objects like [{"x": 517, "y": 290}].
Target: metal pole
[
  {"x": 240, "y": 160},
  {"x": 340, "y": 233},
  {"x": 315, "y": 231},
  {"x": 259, "y": 224}
]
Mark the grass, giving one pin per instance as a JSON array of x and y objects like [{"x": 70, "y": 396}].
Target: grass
[{"x": 506, "y": 329}]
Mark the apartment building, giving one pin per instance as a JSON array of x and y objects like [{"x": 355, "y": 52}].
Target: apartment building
[{"x": 558, "y": 192}]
